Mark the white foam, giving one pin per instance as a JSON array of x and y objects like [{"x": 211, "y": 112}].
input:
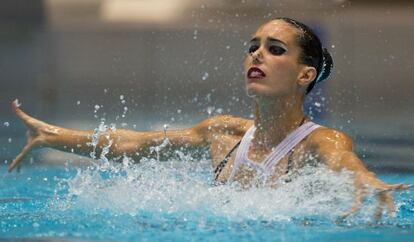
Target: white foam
[{"x": 183, "y": 186}]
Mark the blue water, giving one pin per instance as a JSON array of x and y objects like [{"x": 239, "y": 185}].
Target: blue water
[{"x": 175, "y": 202}]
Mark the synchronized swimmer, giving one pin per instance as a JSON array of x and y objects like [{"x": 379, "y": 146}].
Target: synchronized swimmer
[{"x": 285, "y": 60}]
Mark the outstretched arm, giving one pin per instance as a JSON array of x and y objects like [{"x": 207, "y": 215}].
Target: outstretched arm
[
  {"x": 124, "y": 142},
  {"x": 335, "y": 150}
]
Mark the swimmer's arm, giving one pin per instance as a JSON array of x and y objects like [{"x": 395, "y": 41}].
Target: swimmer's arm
[
  {"x": 202, "y": 135},
  {"x": 136, "y": 144},
  {"x": 124, "y": 142},
  {"x": 334, "y": 148}
]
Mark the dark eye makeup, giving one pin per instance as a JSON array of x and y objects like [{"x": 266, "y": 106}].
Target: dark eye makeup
[
  {"x": 274, "y": 49},
  {"x": 253, "y": 48}
]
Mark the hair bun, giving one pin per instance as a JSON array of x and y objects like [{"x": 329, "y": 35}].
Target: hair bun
[{"x": 327, "y": 65}]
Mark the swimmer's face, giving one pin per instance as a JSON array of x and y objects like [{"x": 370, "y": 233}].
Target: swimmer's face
[{"x": 272, "y": 66}]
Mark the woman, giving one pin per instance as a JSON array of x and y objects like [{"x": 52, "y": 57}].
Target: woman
[{"x": 285, "y": 61}]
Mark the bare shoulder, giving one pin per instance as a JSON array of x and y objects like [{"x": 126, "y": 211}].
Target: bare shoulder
[
  {"x": 329, "y": 138},
  {"x": 224, "y": 124}
]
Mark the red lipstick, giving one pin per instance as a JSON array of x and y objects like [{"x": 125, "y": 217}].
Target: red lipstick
[{"x": 255, "y": 73}]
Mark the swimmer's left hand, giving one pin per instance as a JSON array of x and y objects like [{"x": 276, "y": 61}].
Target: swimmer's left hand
[{"x": 364, "y": 181}]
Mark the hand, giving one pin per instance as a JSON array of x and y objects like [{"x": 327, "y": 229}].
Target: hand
[
  {"x": 36, "y": 134},
  {"x": 365, "y": 180}
]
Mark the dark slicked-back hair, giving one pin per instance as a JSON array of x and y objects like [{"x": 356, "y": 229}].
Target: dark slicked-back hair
[{"x": 312, "y": 53}]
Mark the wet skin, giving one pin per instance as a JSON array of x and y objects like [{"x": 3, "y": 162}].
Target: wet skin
[{"x": 278, "y": 90}]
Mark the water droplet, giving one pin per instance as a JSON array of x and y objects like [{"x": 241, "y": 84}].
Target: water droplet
[
  {"x": 7, "y": 124},
  {"x": 97, "y": 107},
  {"x": 317, "y": 104},
  {"x": 9, "y": 140},
  {"x": 121, "y": 97},
  {"x": 205, "y": 76},
  {"x": 78, "y": 102},
  {"x": 178, "y": 111},
  {"x": 210, "y": 110}
]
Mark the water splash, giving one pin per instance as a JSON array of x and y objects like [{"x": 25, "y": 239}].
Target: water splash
[
  {"x": 103, "y": 131},
  {"x": 183, "y": 186}
]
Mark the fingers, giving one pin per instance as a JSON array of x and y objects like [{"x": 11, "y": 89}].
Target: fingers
[
  {"x": 383, "y": 192},
  {"x": 385, "y": 198},
  {"x": 359, "y": 199},
  {"x": 392, "y": 187},
  {"x": 380, "y": 207},
  {"x": 20, "y": 157},
  {"x": 22, "y": 115},
  {"x": 16, "y": 109},
  {"x": 398, "y": 187},
  {"x": 376, "y": 183},
  {"x": 390, "y": 204}
]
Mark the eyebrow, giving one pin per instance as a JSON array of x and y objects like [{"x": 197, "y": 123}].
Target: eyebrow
[{"x": 255, "y": 39}]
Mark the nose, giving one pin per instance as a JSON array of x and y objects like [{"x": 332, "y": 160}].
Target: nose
[{"x": 257, "y": 56}]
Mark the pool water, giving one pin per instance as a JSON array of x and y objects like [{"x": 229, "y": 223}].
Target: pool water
[{"x": 175, "y": 201}]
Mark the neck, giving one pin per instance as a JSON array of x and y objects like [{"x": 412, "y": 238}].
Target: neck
[{"x": 275, "y": 119}]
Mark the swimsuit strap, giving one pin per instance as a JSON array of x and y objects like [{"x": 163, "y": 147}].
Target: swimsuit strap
[
  {"x": 240, "y": 154},
  {"x": 223, "y": 163},
  {"x": 280, "y": 151},
  {"x": 284, "y": 147}
]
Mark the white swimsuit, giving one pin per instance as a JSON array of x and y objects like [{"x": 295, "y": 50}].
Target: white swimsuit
[{"x": 264, "y": 168}]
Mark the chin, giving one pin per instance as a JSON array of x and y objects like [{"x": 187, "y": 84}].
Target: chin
[
  {"x": 259, "y": 89},
  {"x": 256, "y": 92},
  {"x": 262, "y": 92}
]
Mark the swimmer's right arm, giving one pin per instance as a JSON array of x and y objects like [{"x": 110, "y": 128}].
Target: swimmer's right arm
[{"x": 124, "y": 142}]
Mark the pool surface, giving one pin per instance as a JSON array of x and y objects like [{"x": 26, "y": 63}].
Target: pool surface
[{"x": 174, "y": 201}]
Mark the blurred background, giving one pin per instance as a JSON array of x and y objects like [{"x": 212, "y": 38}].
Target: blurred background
[{"x": 141, "y": 64}]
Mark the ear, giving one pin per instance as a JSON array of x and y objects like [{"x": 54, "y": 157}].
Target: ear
[{"x": 306, "y": 75}]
